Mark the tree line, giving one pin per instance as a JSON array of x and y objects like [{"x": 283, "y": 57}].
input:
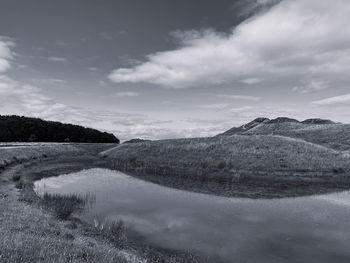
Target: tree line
[{"x": 23, "y": 129}]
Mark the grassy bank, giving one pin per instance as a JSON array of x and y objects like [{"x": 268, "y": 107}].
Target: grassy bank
[
  {"x": 46, "y": 229},
  {"x": 13, "y": 153},
  {"x": 248, "y": 166}
]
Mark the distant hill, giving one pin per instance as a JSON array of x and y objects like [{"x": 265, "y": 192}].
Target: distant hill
[
  {"x": 24, "y": 129},
  {"x": 136, "y": 140},
  {"x": 319, "y": 131}
]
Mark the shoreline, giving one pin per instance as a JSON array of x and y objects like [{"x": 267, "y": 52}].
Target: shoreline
[
  {"x": 249, "y": 187},
  {"x": 73, "y": 229}
]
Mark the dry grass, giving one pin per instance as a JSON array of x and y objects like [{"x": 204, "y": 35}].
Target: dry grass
[
  {"x": 30, "y": 235},
  {"x": 9, "y": 155}
]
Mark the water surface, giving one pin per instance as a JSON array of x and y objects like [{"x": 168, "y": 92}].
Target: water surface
[{"x": 305, "y": 229}]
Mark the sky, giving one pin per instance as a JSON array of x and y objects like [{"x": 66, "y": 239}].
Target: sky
[{"x": 160, "y": 69}]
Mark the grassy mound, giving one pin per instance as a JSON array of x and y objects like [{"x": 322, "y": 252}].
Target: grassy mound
[
  {"x": 235, "y": 162},
  {"x": 228, "y": 157}
]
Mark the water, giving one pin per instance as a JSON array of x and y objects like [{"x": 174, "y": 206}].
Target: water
[{"x": 306, "y": 229}]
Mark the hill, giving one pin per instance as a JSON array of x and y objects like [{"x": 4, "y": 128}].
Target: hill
[
  {"x": 136, "y": 140},
  {"x": 237, "y": 165},
  {"x": 24, "y": 129},
  {"x": 318, "y": 131}
]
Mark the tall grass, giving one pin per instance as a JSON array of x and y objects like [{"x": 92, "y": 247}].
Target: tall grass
[{"x": 65, "y": 205}]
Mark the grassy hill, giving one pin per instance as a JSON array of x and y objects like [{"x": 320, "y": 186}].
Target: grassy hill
[
  {"x": 24, "y": 129},
  {"x": 318, "y": 131},
  {"x": 237, "y": 165}
]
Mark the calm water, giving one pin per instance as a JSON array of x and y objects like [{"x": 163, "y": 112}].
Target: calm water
[{"x": 307, "y": 229}]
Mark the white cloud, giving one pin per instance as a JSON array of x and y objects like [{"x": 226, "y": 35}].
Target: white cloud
[
  {"x": 4, "y": 65},
  {"x": 6, "y": 85},
  {"x": 48, "y": 81},
  {"x": 61, "y": 43},
  {"x": 5, "y": 54},
  {"x": 57, "y": 59},
  {"x": 312, "y": 86},
  {"x": 125, "y": 94},
  {"x": 251, "y": 81},
  {"x": 294, "y": 39},
  {"x": 334, "y": 101},
  {"x": 242, "y": 109},
  {"x": 217, "y": 106},
  {"x": 238, "y": 97}
]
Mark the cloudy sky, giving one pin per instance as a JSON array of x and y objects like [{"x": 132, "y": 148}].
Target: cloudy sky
[{"x": 166, "y": 69}]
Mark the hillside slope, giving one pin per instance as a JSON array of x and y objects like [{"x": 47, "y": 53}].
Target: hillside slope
[
  {"x": 23, "y": 129},
  {"x": 318, "y": 131}
]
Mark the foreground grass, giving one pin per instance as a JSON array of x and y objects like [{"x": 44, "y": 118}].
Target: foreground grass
[
  {"x": 273, "y": 165},
  {"x": 31, "y": 235}
]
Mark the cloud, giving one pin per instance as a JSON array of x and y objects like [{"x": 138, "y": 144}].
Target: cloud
[
  {"x": 312, "y": 86},
  {"x": 238, "y": 97},
  {"x": 48, "y": 81},
  {"x": 6, "y": 85},
  {"x": 125, "y": 94},
  {"x": 57, "y": 59},
  {"x": 61, "y": 43},
  {"x": 217, "y": 106},
  {"x": 251, "y": 81},
  {"x": 21, "y": 99},
  {"x": 5, "y": 54},
  {"x": 341, "y": 100},
  {"x": 249, "y": 7},
  {"x": 294, "y": 39}
]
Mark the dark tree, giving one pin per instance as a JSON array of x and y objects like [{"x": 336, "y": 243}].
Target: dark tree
[{"x": 24, "y": 129}]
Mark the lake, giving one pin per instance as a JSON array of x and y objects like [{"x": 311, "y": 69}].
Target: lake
[{"x": 303, "y": 229}]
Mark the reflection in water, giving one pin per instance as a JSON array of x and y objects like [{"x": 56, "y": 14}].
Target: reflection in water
[{"x": 306, "y": 229}]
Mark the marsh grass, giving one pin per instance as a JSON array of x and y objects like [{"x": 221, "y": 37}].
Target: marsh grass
[{"x": 65, "y": 205}]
